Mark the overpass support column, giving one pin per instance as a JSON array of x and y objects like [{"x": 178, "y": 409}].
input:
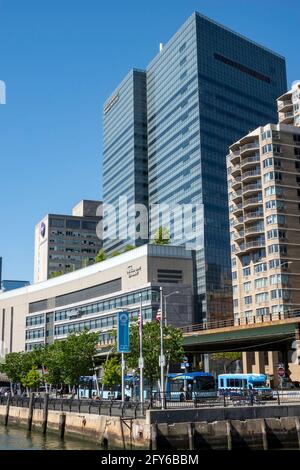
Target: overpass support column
[
  {"x": 247, "y": 362},
  {"x": 273, "y": 364},
  {"x": 259, "y": 367}
]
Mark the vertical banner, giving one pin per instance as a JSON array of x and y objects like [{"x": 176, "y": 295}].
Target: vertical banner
[{"x": 123, "y": 332}]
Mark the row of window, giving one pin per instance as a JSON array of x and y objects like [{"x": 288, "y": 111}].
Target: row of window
[
  {"x": 148, "y": 314},
  {"x": 264, "y": 297},
  {"x": 111, "y": 304},
  {"x": 261, "y": 267}
]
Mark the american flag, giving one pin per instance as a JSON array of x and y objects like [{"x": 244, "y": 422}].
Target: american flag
[
  {"x": 158, "y": 315},
  {"x": 140, "y": 319}
]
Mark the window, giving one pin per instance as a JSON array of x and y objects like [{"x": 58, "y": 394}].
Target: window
[
  {"x": 262, "y": 311},
  {"x": 235, "y": 303},
  {"x": 274, "y": 263},
  {"x": 234, "y": 290},
  {"x": 234, "y": 275},
  {"x": 261, "y": 267},
  {"x": 282, "y": 249},
  {"x": 262, "y": 297},
  {"x": 267, "y": 148},
  {"x": 261, "y": 282},
  {"x": 279, "y": 279},
  {"x": 271, "y": 190},
  {"x": 248, "y": 300},
  {"x": 296, "y": 138},
  {"x": 247, "y": 286},
  {"x": 247, "y": 271},
  {"x": 266, "y": 135},
  {"x": 297, "y": 151}
]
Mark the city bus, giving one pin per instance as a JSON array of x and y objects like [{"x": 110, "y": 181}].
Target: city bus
[
  {"x": 190, "y": 385},
  {"x": 239, "y": 384}
]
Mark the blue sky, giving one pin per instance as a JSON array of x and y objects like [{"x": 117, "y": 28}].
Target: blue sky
[{"x": 60, "y": 59}]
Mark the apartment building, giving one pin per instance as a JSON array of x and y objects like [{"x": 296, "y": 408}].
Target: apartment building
[{"x": 264, "y": 206}]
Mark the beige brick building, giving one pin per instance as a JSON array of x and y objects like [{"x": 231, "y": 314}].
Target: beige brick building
[{"x": 264, "y": 205}]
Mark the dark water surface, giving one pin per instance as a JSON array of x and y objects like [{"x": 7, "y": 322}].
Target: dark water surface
[{"x": 13, "y": 438}]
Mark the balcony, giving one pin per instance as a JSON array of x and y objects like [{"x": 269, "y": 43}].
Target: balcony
[
  {"x": 239, "y": 222},
  {"x": 234, "y": 157},
  {"x": 286, "y": 118},
  {"x": 236, "y": 170},
  {"x": 252, "y": 188},
  {"x": 250, "y": 174},
  {"x": 252, "y": 201},
  {"x": 236, "y": 183},
  {"x": 250, "y": 147},
  {"x": 238, "y": 236},
  {"x": 250, "y": 160},
  {"x": 237, "y": 208},
  {"x": 285, "y": 105},
  {"x": 251, "y": 246},
  {"x": 255, "y": 229},
  {"x": 236, "y": 195},
  {"x": 253, "y": 215}
]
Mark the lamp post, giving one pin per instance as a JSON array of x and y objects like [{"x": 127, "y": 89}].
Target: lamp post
[
  {"x": 141, "y": 358},
  {"x": 165, "y": 299},
  {"x": 162, "y": 356}
]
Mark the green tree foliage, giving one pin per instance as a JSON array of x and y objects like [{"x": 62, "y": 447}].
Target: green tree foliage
[
  {"x": 226, "y": 358},
  {"x": 162, "y": 236},
  {"x": 61, "y": 362},
  {"x": 151, "y": 348},
  {"x": 15, "y": 366},
  {"x": 32, "y": 379},
  {"x": 101, "y": 256},
  {"x": 128, "y": 248},
  {"x": 112, "y": 372},
  {"x": 76, "y": 356},
  {"x": 56, "y": 274}
]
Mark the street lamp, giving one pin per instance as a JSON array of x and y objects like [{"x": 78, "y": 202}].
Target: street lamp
[
  {"x": 165, "y": 299},
  {"x": 162, "y": 356}
]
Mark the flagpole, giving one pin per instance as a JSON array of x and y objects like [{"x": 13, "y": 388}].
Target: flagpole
[
  {"x": 141, "y": 360},
  {"x": 162, "y": 357}
]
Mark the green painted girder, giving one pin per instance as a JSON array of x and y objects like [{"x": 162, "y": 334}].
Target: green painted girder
[{"x": 240, "y": 334}]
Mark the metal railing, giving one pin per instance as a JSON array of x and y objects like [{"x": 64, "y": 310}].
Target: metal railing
[{"x": 127, "y": 409}]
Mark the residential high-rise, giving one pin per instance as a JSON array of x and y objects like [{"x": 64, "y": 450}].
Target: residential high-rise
[
  {"x": 289, "y": 106},
  {"x": 64, "y": 243},
  {"x": 207, "y": 86},
  {"x": 264, "y": 201},
  {"x": 125, "y": 170}
]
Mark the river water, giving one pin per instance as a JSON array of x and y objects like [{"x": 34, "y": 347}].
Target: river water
[{"x": 12, "y": 438}]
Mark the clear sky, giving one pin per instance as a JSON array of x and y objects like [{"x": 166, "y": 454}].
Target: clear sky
[{"x": 60, "y": 60}]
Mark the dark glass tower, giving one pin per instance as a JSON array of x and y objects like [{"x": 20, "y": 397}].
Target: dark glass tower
[
  {"x": 125, "y": 167},
  {"x": 205, "y": 89}
]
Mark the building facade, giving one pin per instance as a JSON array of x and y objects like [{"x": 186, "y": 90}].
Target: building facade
[
  {"x": 206, "y": 87},
  {"x": 289, "y": 106},
  {"x": 91, "y": 297},
  {"x": 125, "y": 169},
  {"x": 64, "y": 243},
  {"x": 264, "y": 203}
]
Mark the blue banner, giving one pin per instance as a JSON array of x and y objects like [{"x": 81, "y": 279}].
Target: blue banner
[{"x": 123, "y": 332}]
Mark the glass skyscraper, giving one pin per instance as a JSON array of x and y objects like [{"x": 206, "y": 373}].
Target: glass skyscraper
[
  {"x": 206, "y": 88},
  {"x": 125, "y": 164}
]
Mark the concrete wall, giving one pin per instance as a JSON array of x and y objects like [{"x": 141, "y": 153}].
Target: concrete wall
[{"x": 105, "y": 430}]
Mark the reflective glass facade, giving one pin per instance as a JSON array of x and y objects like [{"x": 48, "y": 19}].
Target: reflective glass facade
[
  {"x": 125, "y": 169},
  {"x": 206, "y": 88}
]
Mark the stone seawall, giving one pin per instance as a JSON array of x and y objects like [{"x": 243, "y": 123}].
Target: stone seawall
[{"x": 108, "y": 431}]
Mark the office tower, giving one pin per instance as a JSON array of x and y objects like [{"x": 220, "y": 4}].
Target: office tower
[
  {"x": 207, "y": 87},
  {"x": 264, "y": 201},
  {"x": 64, "y": 243},
  {"x": 125, "y": 171}
]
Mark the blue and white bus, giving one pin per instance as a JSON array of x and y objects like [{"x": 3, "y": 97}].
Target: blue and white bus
[
  {"x": 239, "y": 384},
  {"x": 190, "y": 385}
]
